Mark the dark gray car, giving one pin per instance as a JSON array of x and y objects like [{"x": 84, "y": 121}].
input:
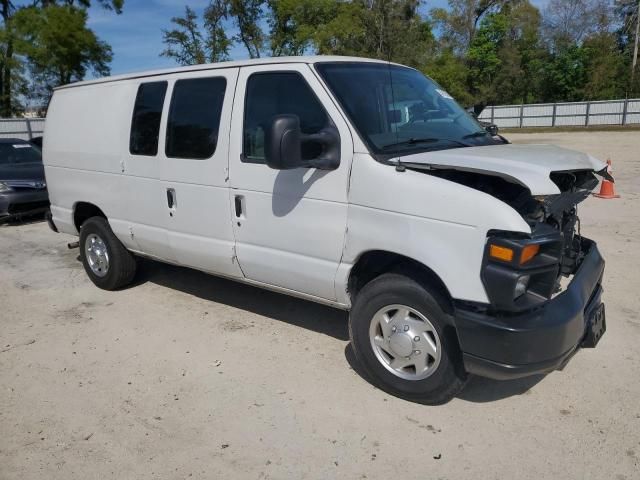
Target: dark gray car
[{"x": 23, "y": 190}]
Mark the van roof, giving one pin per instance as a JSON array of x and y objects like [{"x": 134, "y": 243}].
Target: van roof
[{"x": 232, "y": 64}]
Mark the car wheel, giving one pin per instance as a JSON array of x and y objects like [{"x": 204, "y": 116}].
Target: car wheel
[
  {"x": 105, "y": 259},
  {"x": 405, "y": 341}
]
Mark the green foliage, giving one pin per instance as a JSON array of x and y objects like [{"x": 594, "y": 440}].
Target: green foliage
[
  {"x": 451, "y": 72},
  {"x": 184, "y": 43},
  {"x": 58, "y": 46},
  {"x": 217, "y": 44},
  {"x": 115, "y": 5},
  {"x": 46, "y": 44},
  {"x": 247, "y": 15},
  {"x": 604, "y": 68},
  {"x": 486, "y": 51}
]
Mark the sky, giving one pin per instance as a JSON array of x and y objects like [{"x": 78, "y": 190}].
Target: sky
[{"x": 136, "y": 35}]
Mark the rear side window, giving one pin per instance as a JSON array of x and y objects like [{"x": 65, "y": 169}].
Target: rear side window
[
  {"x": 194, "y": 117},
  {"x": 270, "y": 94},
  {"x": 145, "y": 124}
]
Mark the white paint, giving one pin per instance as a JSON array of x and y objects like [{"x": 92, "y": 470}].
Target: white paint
[
  {"x": 529, "y": 165},
  {"x": 293, "y": 228},
  {"x": 300, "y": 231}
]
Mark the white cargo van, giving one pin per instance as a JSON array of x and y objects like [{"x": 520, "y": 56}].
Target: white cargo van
[{"x": 356, "y": 183}]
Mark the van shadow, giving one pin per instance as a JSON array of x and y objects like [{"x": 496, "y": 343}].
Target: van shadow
[
  {"x": 483, "y": 390},
  {"x": 283, "y": 308},
  {"x": 477, "y": 389},
  {"x": 304, "y": 314}
]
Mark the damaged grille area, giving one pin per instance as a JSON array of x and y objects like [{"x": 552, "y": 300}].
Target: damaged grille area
[
  {"x": 561, "y": 212},
  {"x": 558, "y": 211}
]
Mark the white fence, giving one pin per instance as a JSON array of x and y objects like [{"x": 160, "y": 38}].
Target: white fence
[
  {"x": 606, "y": 112},
  {"x": 24, "y": 128}
]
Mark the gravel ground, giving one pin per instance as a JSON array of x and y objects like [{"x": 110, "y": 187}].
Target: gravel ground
[{"x": 189, "y": 376}]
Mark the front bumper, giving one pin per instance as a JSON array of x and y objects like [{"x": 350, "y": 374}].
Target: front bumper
[
  {"x": 504, "y": 346},
  {"x": 22, "y": 203}
]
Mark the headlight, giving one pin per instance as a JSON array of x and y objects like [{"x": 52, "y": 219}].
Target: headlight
[
  {"x": 520, "y": 271},
  {"x": 4, "y": 187},
  {"x": 507, "y": 254}
]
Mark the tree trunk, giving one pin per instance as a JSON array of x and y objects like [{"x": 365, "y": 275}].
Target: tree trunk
[
  {"x": 5, "y": 98},
  {"x": 635, "y": 49}
]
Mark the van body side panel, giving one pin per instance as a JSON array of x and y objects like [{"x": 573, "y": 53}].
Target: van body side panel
[
  {"x": 82, "y": 154},
  {"x": 199, "y": 227},
  {"x": 441, "y": 224}
]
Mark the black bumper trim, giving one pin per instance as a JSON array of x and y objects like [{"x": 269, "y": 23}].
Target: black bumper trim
[
  {"x": 502, "y": 371},
  {"x": 49, "y": 218},
  {"x": 515, "y": 345}
]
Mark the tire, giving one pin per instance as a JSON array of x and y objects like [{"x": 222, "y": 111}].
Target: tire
[
  {"x": 112, "y": 271},
  {"x": 437, "y": 376}
]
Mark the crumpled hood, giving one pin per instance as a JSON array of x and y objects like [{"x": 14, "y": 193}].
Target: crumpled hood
[{"x": 529, "y": 165}]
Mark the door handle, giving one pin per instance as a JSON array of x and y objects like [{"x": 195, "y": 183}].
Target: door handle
[
  {"x": 238, "y": 205},
  {"x": 171, "y": 200}
]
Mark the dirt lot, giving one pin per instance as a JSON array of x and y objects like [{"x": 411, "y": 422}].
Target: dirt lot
[{"x": 189, "y": 376}]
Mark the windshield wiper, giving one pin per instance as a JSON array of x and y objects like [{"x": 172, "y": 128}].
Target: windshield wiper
[
  {"x": 479, "y": 133},
  {"x": 414, "y": 141}
]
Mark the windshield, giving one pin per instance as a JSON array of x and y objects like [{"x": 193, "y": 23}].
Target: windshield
[
  {"x": 397, "y": 110},
  {"x": 19, "y": 152}
]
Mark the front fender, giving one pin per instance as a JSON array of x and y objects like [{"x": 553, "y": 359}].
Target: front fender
[{"x": 439, "y": 223}]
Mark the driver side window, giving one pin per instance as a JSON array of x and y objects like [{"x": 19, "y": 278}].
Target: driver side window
[{"x": 277, "y": 93}]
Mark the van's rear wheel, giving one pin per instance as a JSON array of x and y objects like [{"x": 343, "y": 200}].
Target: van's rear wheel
[
  {"x": 107, "y": 262},
  {"x": 405, "y": 341}
]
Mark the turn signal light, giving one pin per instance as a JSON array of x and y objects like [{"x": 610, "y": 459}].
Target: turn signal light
[
  {"x": 501, "y": 253},
  {"x": 528, "y": 253}
]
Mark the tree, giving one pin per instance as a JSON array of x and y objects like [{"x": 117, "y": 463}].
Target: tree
[
  {"x": 586, "y": 56},
  {"x": 395, "y": 30},
  {"x": 14, "y": 60},
  {"x": 605, "y": 68},
  {"x": 486, "y": 51},
  {"x": 115, "y": 5},
  {"x": 184, "y": 43},
  {"x": 58, "y": 46},
  {"x": 284, "y": 24},
  {"x": 570, "y": 22},
  {"x": 451, "y": 72},
  {"x": 217, "y": 43},
  {"x": 10, "y": 66},
  {"x": 384, "y": 29},
  {"x": 188, "y": 45},
  {"x": 504, "y": 55},
  {"x": 564, "y": 76},
  {"x": 628, "y": 11},
  {"x": 247, "y": 15},
  {"x": 460, "y": 21}
]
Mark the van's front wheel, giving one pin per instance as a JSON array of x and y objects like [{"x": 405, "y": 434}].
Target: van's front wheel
[
  {"x": 107, "y": 262},
  {"x": 404, "y": 340}
]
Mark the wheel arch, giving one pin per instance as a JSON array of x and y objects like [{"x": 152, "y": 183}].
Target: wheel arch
[
  {"x": 82, "y": 211},
  {"x": 373, "y": 263}
]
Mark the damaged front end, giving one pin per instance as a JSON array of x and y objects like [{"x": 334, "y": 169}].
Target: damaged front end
[
  {"x": 555, "y": 240},
  {"x": 561, "y": 212},
  {"x": 530, "y": 324}
]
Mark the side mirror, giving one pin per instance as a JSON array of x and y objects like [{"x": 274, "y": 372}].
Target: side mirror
[
  {"x": 492, "y": 129},
  {"x": 284, "y": 142}
]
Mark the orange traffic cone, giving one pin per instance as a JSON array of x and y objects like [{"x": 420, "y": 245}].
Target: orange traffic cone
[{"x": 607, "y": 189}]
